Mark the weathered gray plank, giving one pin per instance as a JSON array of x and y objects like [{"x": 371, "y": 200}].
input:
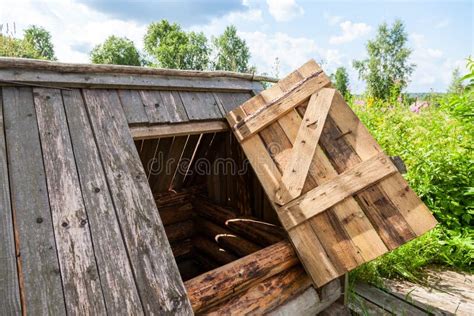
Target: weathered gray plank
[
  {"x": 154, "y": 107},
  {"x": 82, "y": 290},
  {"x": 200, "y": 105},
  {"x": 39, "y": 274},
  {"x": 173, "y": 104},
  {"x": 9, "y": 289},
  {"x": 159, "y": 284},
  {"x": 133, "y": 106},
  {"x": 386, "y": 301},
  {"x": 123, "y": 81},
  {"x": 120, "y": 292},
  {"x": 230, "y": 101}
]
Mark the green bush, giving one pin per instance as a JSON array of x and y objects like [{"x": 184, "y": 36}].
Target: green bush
[
  {"x": 437, "y": 148},
  {"x": 436, "y": 143}
]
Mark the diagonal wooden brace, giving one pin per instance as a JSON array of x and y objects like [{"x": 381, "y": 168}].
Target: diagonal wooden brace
[{"x": 304, "y": 148}]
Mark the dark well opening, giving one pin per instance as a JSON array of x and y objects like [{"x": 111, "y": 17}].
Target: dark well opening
[{"x": 210, "y": 201}]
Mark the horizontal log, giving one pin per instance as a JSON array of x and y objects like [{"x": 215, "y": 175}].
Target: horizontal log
[
  {"x": 182, "y": 248},
  {"x": 225, "y": 238},
  {"x": 252, "y": 229},
  {"x": 211, "y": 249},
  {"x": 178, "y": 129},
  {"x": 218, "y": 285},
  {"x": 180, "y": 231},
  {"x": 176, "y": 213},
  {"x": 267, "y": 295},
  {"x": 182, "y": 196},
  {"x": 33, "y": 64}
]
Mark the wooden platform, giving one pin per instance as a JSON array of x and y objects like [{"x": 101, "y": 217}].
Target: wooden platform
[{"x": 444, "y": 293}]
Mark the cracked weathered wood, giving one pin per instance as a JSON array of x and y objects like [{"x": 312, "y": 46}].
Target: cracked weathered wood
[
  {"x": 159, "y": 283},
  {"x": 9, "y": 290},
  {"x": 79, "y": 272},
  {"x": 39, "y": 272},
  {"x": 118, "y": 284}
]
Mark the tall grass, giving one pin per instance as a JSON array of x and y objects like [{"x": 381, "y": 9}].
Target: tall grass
[{"x": 437, "y": 146}]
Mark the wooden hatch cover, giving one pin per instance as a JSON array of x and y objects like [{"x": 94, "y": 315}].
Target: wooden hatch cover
[{"x": 337, "y": 194}]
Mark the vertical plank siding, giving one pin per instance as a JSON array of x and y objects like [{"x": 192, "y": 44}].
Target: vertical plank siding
[
  {"x": 133, "y": 106},
  {"x": 79, "y": 227},
  {"x": 79, "y": 272},
  {"x": 39, "y": 272},
  {"x": 9, "y": 288},
  {"x": 118, "y": 284},
  {"x": 159, "y": 283}
]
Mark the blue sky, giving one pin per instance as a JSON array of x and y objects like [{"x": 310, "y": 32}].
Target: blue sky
[{"x": 332, "y": 32}]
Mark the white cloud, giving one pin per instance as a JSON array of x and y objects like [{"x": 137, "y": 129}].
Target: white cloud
[
  {"x": 284, "y": 10},
  {"x": 217, "y": 25},
  {"x": 71, "y": 24},
  {"x": 350, "y": 32},
  {"x": 332, "y": 19},
  {"x": 432, "y": 67}
]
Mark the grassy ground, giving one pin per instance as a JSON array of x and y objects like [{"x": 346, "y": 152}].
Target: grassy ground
[{"x": 436, "y": 143}]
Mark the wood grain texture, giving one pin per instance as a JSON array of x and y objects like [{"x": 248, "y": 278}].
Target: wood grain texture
[
  {"x": 307, "y": 139},
  {"x": 118, "y": 284},
  {"x": 9, "y": 290},
  {"x": 173, "y": 104},
  {"x": 122, "y": 81},
  {"x": 222, "y": 283},
  {"x": 81, "y": 280},
  {"x": 179, "y": 129},
  {"x": 39, "y": 273},
  {"x": 278, "y": 107},
  {"x": 365, "y": 222},
  {"x": 229, "y": 101},
  {"x": 413, "y": 210},
  {"x": 333, "y": 254},
  {"x": 60, "y": 67},
  {"x": 133, "y": 107},
  {"x": 156, "y": 274},
  {"x": 348, "y": 212},
  {"x": 328, "y": 194},
  {"x": 267, "y": 295},
  {"x": 200, "y": 105},
  {"x": 154, "y": 106}
]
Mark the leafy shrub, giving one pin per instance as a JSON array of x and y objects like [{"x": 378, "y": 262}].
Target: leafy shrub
[
  {"x": 437, "y": 146},
  {"x": 437, "y": 149}
]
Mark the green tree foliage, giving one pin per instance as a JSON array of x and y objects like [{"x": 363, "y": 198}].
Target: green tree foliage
[
  {"x": 232, "y": 53},
  {"x": 341, "y": 81},
  {"x": 386, "y": 70},
  {"x": 171, "y": 47},
  {"x": 40, "y": 39},
  {"x": 456, "y": 85},
  {"x": 35, "y": 44},
  {"x": 116, "y": 50}
]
